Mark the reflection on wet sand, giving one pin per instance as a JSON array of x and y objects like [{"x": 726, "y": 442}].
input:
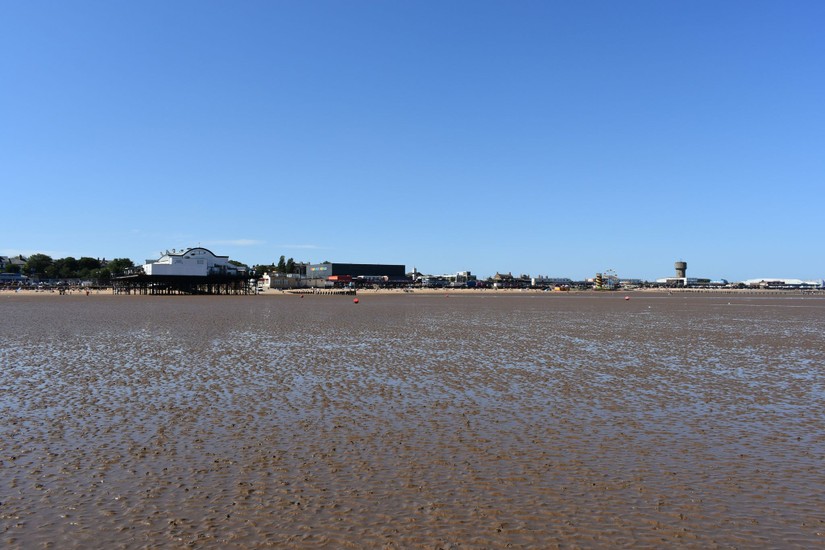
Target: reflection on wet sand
[{"x": 406, "y": 421}]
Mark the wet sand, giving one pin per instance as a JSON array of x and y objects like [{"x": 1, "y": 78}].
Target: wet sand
[{"x": 470, "y": 421}]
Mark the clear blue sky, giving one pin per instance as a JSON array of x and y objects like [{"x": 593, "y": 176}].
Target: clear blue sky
[{"x": 553, "y": 138}]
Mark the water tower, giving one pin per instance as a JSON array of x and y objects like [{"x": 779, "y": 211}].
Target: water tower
[{"x": 681, "y": 268}]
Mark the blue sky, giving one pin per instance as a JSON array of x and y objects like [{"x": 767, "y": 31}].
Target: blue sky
[{"x": 553, "y": 138}]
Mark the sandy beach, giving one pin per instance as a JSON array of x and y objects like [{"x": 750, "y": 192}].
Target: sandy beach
[
  {"x": 444, "y": 419},
  {"x": 10, "y": 291}
]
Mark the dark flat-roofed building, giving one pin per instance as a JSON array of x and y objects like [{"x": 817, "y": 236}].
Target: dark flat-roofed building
[
  {"x": 357, "y": 275},
  {"x": 326, "y": 270}
]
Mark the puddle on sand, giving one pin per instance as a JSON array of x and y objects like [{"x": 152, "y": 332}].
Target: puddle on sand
[{"x": 412, "y": 421}]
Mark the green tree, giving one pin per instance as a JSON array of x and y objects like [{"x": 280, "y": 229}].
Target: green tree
[
  {"x": 103, "y": 275},
  {"x": 261, "y": 269},
  {"x": 37, "y": 264},
  {"x": 12, "y": 268},
  {"x": 282, "y": 265},
  {"x": 240, "y": 265},
  {"x": 86, "y": 266},
  {"x": 66, "y": 267},
  {"x": 119, "y": 265},
  {"x": 290, "y": 266}
]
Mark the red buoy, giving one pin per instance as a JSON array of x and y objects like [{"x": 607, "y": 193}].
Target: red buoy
[
  {"x": 627, "y": 297},
  {"x": 355, "y": 301}
]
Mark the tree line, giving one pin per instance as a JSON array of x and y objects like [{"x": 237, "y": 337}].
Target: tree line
[
  {"x": 285, "y": 266},
  {"x": 42, "y": 266}
]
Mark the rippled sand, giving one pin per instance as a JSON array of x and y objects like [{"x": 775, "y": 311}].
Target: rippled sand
[{"x": 412, "y": 421}]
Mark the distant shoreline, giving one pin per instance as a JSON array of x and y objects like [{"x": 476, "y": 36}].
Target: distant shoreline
[{"x": 457, "y": 292}]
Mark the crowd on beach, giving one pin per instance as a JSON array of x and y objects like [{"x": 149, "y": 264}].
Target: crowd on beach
[{"x": 57, "y": 288}]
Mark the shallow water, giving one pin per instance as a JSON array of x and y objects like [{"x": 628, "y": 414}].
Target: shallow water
[{"x": 412, "y": 421}]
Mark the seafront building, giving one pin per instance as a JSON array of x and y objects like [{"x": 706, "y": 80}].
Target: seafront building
[
  {"x": 283, "y": 281},
  {"x": 199, "y": 270},
  {"x": 329, "y": 274},
  {"x": 542, "y": 281},
  {"x": 682, "y": 280},
  {"x": 6, "y": 261},
  {"x": 191, "y": 271},
  {"x": 16, "y": 267},
  {"x": 344, "y": 274},
  {"x": 192, "y": 262},
  {"x": 13, "y": 278},
  {"x": 777, "y": 283},
  {"x": 460, "y": 279}
]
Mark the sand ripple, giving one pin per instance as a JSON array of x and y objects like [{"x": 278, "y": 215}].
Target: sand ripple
[{"x": 412, "y": 421}]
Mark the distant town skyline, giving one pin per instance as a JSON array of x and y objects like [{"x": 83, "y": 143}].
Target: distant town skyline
[
  {"x": 482, "y": 276},
  {"x": 548, "y": 138}
]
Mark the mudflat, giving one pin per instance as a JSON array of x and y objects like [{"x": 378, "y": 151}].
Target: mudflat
[{"x": 469, "y": 421}]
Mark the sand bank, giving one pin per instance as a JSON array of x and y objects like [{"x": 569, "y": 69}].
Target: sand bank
[{"x": 492, "y": 420}]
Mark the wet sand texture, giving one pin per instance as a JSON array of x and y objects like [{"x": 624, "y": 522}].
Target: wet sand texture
[{"x": 412, "y": 421}]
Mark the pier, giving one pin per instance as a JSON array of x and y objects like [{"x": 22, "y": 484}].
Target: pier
[{"x": 179, "y": 284}]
